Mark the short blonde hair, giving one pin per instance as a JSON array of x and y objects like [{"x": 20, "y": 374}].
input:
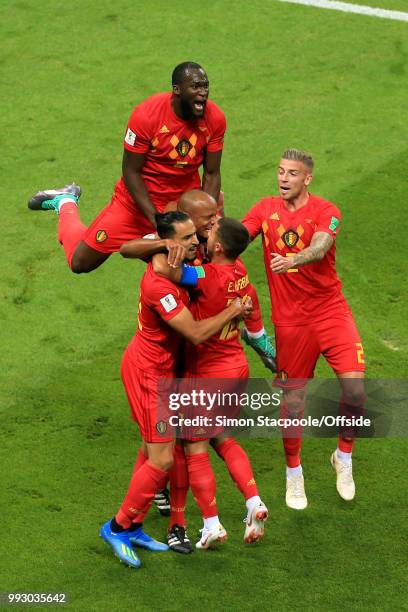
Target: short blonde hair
[{"x": 302, "y": 156}]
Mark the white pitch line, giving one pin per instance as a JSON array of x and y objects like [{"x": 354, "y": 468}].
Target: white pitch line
[{"x": 352, "y": 8}]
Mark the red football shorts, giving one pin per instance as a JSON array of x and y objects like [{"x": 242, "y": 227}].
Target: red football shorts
[
  {"x": 115, "y": 225},
  {"x": 299, "y": 347},
  {"x": 142, "y": 392},
  {"x": 236, "y": 382}
]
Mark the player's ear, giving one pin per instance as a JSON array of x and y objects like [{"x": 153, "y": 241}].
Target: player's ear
[
  {"x": 308, "y": 179},
  {"x": 176, "y": 90}
]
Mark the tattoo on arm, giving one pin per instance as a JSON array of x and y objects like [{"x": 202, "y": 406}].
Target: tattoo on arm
[{"x": 320, "y": 244}]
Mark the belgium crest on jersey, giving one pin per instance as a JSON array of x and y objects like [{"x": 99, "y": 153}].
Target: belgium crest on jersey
[
  {"x": 101, "y": 236},
  {"x": 290, "y": 238},
  {"x": 183, "y": 147},
  {"x": 161, "y": 427}
]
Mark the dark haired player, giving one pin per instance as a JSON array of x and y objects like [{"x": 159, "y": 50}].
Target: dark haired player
[
  {"x": 216, "y": 284},
  {"x": 202, "y": 209},
  {"x": 309, "y": 311},
  {"x": 163, "y": 317},
  {"x": 168, "y": 137}
]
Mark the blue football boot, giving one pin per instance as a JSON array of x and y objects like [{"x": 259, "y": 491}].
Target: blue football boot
[
  {"x": 141, "y": 539},
  {"x": 121, "y": 545}
]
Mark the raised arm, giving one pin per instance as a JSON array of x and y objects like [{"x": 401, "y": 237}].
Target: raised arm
[
  {"x": 321, "y": 243},
  {"x": 145, "y": 248}
]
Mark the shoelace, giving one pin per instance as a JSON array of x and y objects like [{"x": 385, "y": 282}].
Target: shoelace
[
  {"x": 270, "y": 349},
  {"x": 297, "y": 487},
  {"x": 181, "y": 534},
  {"x": 346, "y": 472}
]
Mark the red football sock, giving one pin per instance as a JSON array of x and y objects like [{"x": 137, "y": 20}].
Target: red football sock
[
  {"x": 178, "y": 487},
  {"x": 292, "y": 444},
  {"x": 70, "y": 229},
  {"x": 254, "y": 322},
  {"x": 292, "y": 448},
  {"x": 144, "y": 483},
  {"x": 202, "y": 483},
  {"x": 346, "y": 446},
  {"x": 238, "y": 466},
  {"x": 347, "y": 435},
  {"x": 140, "y": 459}
]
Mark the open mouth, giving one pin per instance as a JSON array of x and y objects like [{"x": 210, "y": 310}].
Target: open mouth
[
  {"x": 284, "y": 188},
  {"x": 199, "y": 106}
]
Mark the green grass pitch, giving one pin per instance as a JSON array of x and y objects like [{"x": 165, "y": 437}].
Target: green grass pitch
[{"x": 285, "y": 75}]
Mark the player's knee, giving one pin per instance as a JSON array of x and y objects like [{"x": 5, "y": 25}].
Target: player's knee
[
  {"x": 353, "y": 392},
  {"x": 295, "y": 408},
  {"x": 166, "y": 464},
  {"x": 164, "y": 461},
  {"x": 79, "y": 265},
  {"x": 354, "y": 397},
  {"x": 294, "y": 403}
]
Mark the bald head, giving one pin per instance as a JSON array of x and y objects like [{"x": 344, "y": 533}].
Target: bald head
[
  {"x": 201, "y": 208},
  {"x": 194, "y": 200}
]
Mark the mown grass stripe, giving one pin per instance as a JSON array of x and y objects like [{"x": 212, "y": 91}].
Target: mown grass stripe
[{"x": 353, "y": 8}]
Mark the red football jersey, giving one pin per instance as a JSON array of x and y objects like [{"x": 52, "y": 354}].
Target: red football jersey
[
  {"x": 311, "y": 292},
  {"x": 155, "y": 345},
  {"x": 174, "y": 148},
  {"x": 216, "y": 288}
]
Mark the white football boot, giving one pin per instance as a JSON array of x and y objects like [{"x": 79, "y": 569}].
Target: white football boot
[
  {"x": 255, "y": 523},
  {"x": 344, "y": 477},
  {"x": 295, "y": 492},
  {"x": 211, "y": 537}
]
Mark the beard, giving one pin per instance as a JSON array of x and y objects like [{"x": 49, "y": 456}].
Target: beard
[{"x": 186, "y": 109}]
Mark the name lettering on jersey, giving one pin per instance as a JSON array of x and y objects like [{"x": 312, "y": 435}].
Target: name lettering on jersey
[
  {"x": 241, "y": 283},
  {"x": 130, "y": 137},
  {"x": 164, "y": 130},
  {"x": 168, "y": 302}
]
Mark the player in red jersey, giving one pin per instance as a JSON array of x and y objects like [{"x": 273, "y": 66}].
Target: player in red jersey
[
  {"x": 309, "y": 311},
  {"x": 202, "y": 210},
  {"x": 150, "y": 356},
  {"x": 220, "y": 357},
  {"x": 168, "y": 137}
]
